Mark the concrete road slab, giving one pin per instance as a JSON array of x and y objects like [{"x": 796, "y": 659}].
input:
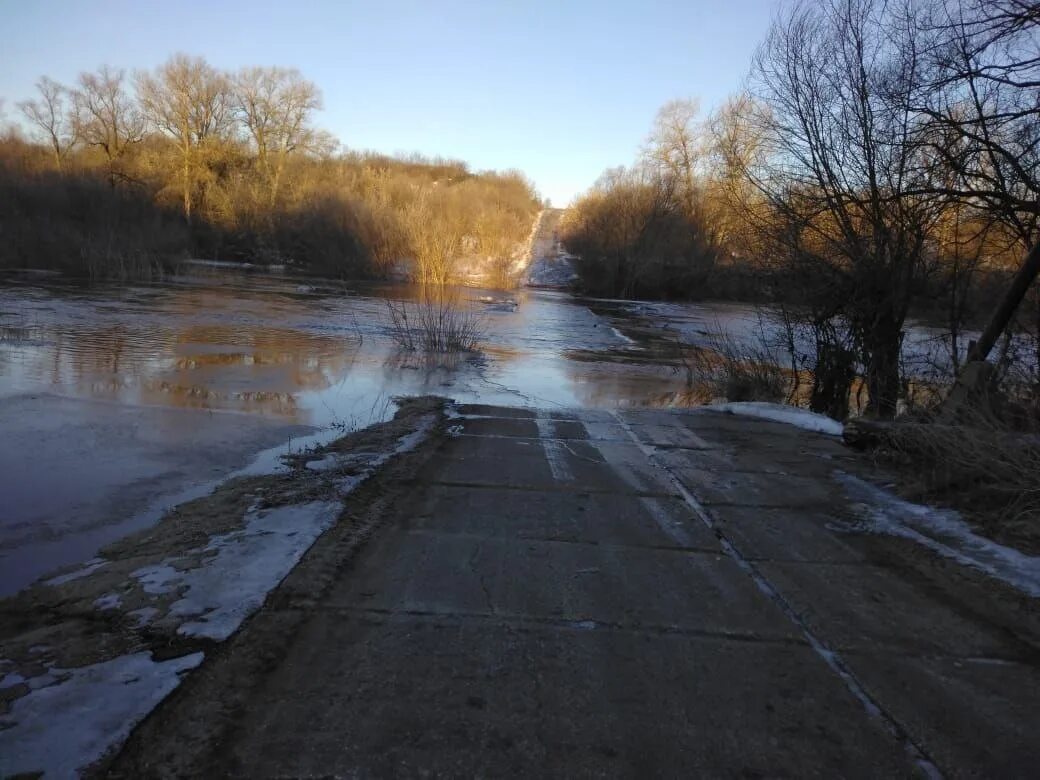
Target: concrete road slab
[
  {"x": 756, "y": 488},
  {"x": 975, "y": 718},
  {"x": 781, "y": 534},
  {"x": 668, "y": 436},
  {"x": 486, "y": 410},
  {"x": 539, "y": 604},
  {"x": 431, "y": 572},
  {"x": 479, "y": 698},
  {"x": 612, "y": 518},
  {"x": 507, "y": 426},
  {"x": 869, "y": 608},
  {"x": 539, "y": 463}
]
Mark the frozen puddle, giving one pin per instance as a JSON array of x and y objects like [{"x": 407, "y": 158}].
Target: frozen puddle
[
  {"x": 240, "y": 569},
  {"x": 62, "y": 727},
  {"x": 943, "y": 531}
]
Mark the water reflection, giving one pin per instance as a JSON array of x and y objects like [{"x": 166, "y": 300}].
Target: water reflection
[{"x": 310, "y": 353}]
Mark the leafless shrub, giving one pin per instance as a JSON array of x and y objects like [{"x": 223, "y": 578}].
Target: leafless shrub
[
  {"x": 436, "y": 323},
  {"x": 737, "y": 371}
]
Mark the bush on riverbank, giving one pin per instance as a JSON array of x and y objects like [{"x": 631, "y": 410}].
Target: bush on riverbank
[
  {"x": 120, "y": 178},
  {"x": 79, "y": 225}
]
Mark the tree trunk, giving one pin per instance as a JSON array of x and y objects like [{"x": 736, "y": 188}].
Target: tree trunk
[
  {"x": 187, "y": 185},
  {"x": 832, "y": 381},
  {"x": 883, "y": 369},
  {"x": 1014, "y": 295}
]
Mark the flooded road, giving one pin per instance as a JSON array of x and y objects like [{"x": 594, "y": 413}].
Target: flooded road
[{"x": 117, "y": 403}]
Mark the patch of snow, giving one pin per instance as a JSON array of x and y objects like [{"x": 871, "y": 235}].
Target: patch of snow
[
  {"x": 451, "y": 412},
  {"x": 11, "y": 679},
  {"x": 158, "y": 578},
  {"x": 328, "y": 463},
  {"x": 108, "y": 601},
  {"x": 144, "y": 615},
  {"x": 943, "y": 531},
  {"x": 346, "y": 485},
  {"x": 622, "y": 336},
  {"x": 232, "y": 584},
  {"x": 240, "y": 568},
  {"x": 88, "y": 568},
  {"x": 410, "y": 441},
  {"x": 271, "y": 461},
  {"x": 791, "y": 415},
  {"x": 60, "y": 729},
  {"x": 47, "y": 679}
]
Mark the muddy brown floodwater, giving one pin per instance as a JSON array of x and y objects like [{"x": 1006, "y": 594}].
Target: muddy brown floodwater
[{"x": 119, "y": 402}]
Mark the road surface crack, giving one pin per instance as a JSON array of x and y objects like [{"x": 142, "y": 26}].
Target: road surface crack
[{"x": 480, "y": 577}]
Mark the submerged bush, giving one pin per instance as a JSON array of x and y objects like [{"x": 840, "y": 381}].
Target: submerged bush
[
  {"x": 436, "y": 323},
  {"x": 736, "y": 371}
]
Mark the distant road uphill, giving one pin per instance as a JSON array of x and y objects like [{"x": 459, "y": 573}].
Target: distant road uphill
[
  {"x": 540, "y": 262},
  {"x": 546, "y": 264}
]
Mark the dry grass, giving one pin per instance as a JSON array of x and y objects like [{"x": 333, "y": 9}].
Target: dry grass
[
  {"x": 979, "y": 466},
  {"x": 437, "y": 323}
]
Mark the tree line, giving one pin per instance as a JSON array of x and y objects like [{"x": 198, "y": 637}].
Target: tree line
[
  {"x": 883, "y": 158},
  {"x": 120, "y": 172}
]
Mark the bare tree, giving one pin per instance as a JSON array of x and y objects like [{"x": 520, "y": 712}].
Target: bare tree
[
  {"x": 735, "y": 146},
  {"x": 106, "y": 117},
  {"x": 54, "y": 117},
  {"x": 276, "y": 105},
  {"x": 844, "y": 171},
  {"x": 675, "y": 146},
  {"x": 436, "y": 229},
  {"x": 633, "y": 236},
  {"x": 190, "y": 101},
  {"x": 985, "y": 91}
]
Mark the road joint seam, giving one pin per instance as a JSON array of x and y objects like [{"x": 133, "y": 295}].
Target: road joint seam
[
  {"x": 827, "y": 654},
  {"x": 574, "y": 624}
]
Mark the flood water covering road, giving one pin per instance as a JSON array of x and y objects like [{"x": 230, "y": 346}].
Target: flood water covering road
[{"x": 119, "y": 402}]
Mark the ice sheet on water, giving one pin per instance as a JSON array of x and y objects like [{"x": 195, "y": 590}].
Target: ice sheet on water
[
  {"x": 71, "y": 722},
  {"x": 791, "y": 415}
]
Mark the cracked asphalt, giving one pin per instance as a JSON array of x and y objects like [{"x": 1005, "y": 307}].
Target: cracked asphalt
[{"x": 645, "y": 593}]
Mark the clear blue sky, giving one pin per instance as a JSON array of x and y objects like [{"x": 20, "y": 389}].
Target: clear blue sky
[{"x": 560, "y": 90}]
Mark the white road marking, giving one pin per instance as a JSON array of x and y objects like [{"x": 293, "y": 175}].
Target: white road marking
[{"x": 553, "y": 449}]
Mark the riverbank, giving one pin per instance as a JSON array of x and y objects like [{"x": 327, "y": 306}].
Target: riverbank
[{"x": 88, "y": 652}]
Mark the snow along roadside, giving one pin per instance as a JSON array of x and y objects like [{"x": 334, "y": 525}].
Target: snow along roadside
[
  {"x": 791, "y": 415},
  {"x": 940, "y": 530},
  {"x": 72, "y": 689}
]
